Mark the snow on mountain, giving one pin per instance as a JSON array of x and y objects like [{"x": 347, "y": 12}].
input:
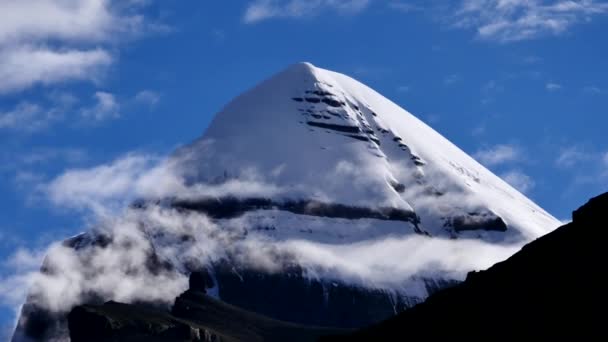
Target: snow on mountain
[{"x": 313, "y": 136}]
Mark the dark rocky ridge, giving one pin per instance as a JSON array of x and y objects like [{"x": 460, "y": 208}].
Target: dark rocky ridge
[
  {"x": 195, "y": 317},
  {"x": 554, "y": 288}
]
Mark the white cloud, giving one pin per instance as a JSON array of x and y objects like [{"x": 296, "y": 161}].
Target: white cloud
[
  {"x": 50, "y": 41},
  {"x": 260, "y": 10},
  {"x": 105, "y": 189},
  {"x": 586, "y": 165},
  {"x": 81, "y": 20},
  {"x": 498, "y": 154},
  {"x": 28, "y": 117},
  {"x": 181, "y": 238},
  {"x": 519, "y": 180},
  {"x": 148, "y": 98},
  {"x": 24, "y": 66},
  {"x": 97, "y": 187},
  {"x": 119, "y": 271},
  {"x": 33, "y": 117},
  {"x": 594, "y": 90},
  {"x": 105, "y": 108},
  {"x": 24, "y": 259},
  {"x": 572, "y": 156},
  {"x": 516, "y": 20},
  {"x": 551, "y": 86}
]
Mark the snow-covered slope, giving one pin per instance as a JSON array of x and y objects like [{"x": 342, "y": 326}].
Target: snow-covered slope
[{"x": 317, "y": 137}]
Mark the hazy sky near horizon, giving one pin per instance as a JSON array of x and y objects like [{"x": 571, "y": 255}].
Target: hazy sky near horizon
[{"x": 521, "y": 85}]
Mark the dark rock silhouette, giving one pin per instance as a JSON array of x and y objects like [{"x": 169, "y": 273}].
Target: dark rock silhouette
[
  {"x": 553, "y": 288},
  {"x": 195, "y": 317}
]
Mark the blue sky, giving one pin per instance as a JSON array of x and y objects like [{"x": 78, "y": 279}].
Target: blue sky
[{"x": 520, "y": 85}]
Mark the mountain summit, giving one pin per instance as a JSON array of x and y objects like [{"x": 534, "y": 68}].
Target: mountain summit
[
  {"x": 321, "y": 137},
  {"x": 310, "y": 199}
]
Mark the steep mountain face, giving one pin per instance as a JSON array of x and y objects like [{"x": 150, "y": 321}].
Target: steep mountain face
[
  {"x": 552, "y": 289},
  {"x": 301, "y": 178}
]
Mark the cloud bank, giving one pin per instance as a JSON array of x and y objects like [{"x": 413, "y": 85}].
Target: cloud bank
[
  {"x": 517, "y": 20},
  {"x": 260, "y": 10},
  {"x": 145, "y": 253}
]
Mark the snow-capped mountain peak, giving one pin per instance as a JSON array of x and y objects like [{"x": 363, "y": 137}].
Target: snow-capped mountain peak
[
  {"x": 311, "y": 188},
  {"x": 313, "y": 137}
]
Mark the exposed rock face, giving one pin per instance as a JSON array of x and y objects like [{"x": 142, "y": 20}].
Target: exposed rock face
[{"x": 553, "y": 288}]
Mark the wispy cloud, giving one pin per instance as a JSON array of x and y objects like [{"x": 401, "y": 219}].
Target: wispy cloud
[
  {"x": 28, "y": 117},
  {"x": 117, "y": 182},
  {"x": 81, "y": 33},
  {"x": 573, "y": 156},
  {"x": 182, "y": 239},
  {"x": 498, "y": 154},
  {"x": 260, "y": 10},
  {"x": 148, "y": 98},
  {"x": 586, "y": 165},
  {"x": 593, "y": 90},
  {"x": 106, "y": 107},
  {"x": 516, "y": 20},
  {"x": 552, "y": 86},
  {"x": 519, "y": 180}
]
